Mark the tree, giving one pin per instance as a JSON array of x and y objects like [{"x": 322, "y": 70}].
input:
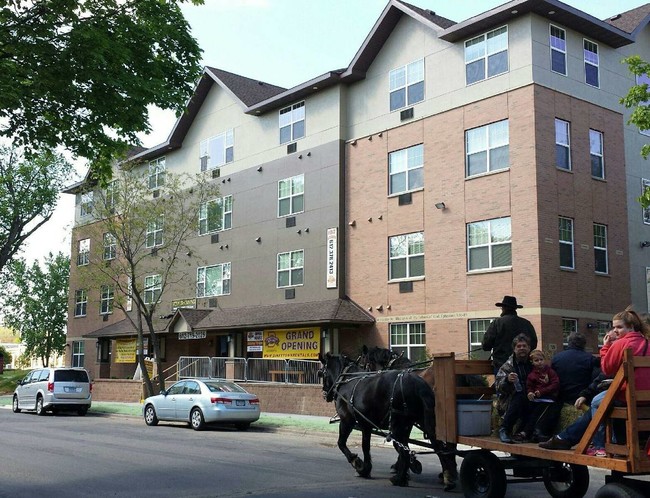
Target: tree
[
  {"x": 35, "y": 305},
  {"x": 29, "y": 190},
  {"x": 151, "y": 236},
  {"x": 637, "y": 99},
  {"x": 6, "y": 355},
  {"x": 81, "y": 73}
]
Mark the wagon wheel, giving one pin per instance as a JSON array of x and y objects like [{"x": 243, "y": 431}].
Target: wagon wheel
[
  {"x": 566, "y": 480},
  {"x": 482, "y": 475},
  {"x": 618, "y": 490}
]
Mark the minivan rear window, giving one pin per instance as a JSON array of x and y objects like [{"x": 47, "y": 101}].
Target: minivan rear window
[{"x": 70, "y": 376}]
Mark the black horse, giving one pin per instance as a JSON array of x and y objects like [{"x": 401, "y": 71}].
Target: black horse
[
  {"x": 376, "y": 358},
  {"x": 392, "y": 400}
]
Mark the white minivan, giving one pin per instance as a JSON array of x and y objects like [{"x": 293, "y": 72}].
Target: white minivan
[{"x": 54, "y": 389}]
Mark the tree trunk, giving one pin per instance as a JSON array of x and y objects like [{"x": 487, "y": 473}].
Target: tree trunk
[{"x": 143, "y": 368}]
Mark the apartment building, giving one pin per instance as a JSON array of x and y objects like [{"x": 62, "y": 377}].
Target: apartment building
[{"x": 396, "y": 201}]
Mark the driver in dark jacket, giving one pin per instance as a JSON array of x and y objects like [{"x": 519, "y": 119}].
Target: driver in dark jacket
[{"x": 503, "y": 330}]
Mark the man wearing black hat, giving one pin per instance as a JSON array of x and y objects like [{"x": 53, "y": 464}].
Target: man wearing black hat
[{"x": 504, "y": 329}]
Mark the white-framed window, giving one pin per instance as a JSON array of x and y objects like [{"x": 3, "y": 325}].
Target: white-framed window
[
  {"x": 557, "y": 42},
  {"x": 213, "y": 280},
  {"x": 216, "y": 151},
  {"x": 646, "y": 211},
  {"x": 644, "y": 79},
  {"x": 155, "y": 233},
  {"x": 406, "y": 85},
  {"x": 80, "y": 302},
  {"x": 566, "y": 243},
  {"x": 600, "y": 248},
  {"x": 477, "y": 329},
  {"x": 291, "y": 195},
  {"x": 86, "y": 205},
  {"x": 292, "y": 122},
  {"x": 569, "y": 325},
  {"x": 486, "y": 55},
  {"x": 410, "y": 339},
  {"x": 83, "y": 252},
  {"x": 406, "y": 170},
  {"x": 489, "y": 244},
  {"x": 562, "y": 144},
  {"x": 591, "y": 63},
  {"x": 406, "y": 253},
  {"x": 602, "y": 328},
  {"x": 487, "y": 148},
  {"x": 596, "y": 153},
  {"x": 107, "y": 294},
  {"x": 77, "y": 354},
  {"x": 112, "y": 192},
  {"x": 291, "y": 268},
  {"x": 152, "y": 289},
  {"x": 215, "y": 215},
  {"x": 110, "y": 246},
  {"x": 157, "y": 173}
]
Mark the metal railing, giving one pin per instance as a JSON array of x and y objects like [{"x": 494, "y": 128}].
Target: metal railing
[{"x": 250, "y": 369}]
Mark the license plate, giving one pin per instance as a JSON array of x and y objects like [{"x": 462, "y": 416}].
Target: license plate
[
  {"x": 73, "y": 389},
  {"x": 240, "y": 402}
]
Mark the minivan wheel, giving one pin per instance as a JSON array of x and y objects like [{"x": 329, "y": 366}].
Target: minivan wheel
[
  {"x": 39, "y": 406},
  {"x": 82, "y": 411},
  {"x": 14, "y": 404}
]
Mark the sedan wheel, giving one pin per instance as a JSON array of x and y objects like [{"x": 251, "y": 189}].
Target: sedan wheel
[
  {"x": 39, "y": 406},
  {"x": 150, "y": 417},
  {"x": 14, "y": 404},
  {"x": 196, "y": 419}
]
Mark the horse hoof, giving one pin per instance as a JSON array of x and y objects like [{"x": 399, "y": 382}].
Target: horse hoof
[
  {"x": 441, "y": 477},
  {"x": 357, "y": 463},
  {"x": 450, "y": 486}
]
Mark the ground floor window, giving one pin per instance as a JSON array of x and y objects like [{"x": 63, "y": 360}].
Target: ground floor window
[
  {"x": 78, "y": 354},
  {"x": 568, "y": 325},
  {"x": 409, "y": 338},
  {"x": 477, "y": 329}
]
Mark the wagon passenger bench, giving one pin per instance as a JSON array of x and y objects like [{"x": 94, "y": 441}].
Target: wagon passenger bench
[{"x": 564, "y": 473}]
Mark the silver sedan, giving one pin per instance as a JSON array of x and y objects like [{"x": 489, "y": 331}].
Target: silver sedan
[{"x": 199, "y": 402}]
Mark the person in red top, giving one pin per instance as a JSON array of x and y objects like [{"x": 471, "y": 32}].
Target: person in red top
[{"x": 629, "y": 331}]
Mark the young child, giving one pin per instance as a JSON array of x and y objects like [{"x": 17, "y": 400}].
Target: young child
[{"x": 543, "y": 387}]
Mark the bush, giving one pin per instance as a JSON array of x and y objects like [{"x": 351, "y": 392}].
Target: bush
[{"x": 6, "y": 354}]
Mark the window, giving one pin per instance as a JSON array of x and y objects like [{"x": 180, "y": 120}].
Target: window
[
  {"x": 86, "y": 207},
  {"x": 406, "y": 85},
  {"x": 600, "y": 248},
  {"x": 78, "y": 354},
  {"x": 213, "y": 280},
  {"x": 292, "y": 122},
  {"x": 80, "y": 302},
  {"x": 217, "y": 151},
  {"x": 405, "y": 168},
  {"x": 152, "y": 289},
  {"x": 111, "y": 196},
  {"x": 569, "y": 325},
  {"x": 487, "y": 148},
  {"x": 410, "y": 339},
  {"x": 602, "y": 329},
  {"x": 83, "y": 253},
  {"x": 477, "y": 329},
  {"x": 596, "y": 152},
  {"x": 646, "y": 211},
  {"x": 291, "y": 268},
  {"x": 291, "y": 193},
  {"x": 562, "y": 145},
  {"x": 489, "y": 244},
  {"x": 110, "y": 246},
  {"x": 486, "y": 55},
  {"x": 558, "y": 50},
  {"x": 215, "y": 215},
  {"x": 644, "y": 79},
  {"x": 406, "y": 256},
  {"x": 566, "y": 243},
  {"x": 155, "y": 233},
  {"x": 106, "y": 300},
  {"x": 157, "y": 173},
  {"x": 591, "y": 63}
]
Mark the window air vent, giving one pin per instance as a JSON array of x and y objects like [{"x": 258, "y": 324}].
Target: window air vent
[
  {"x": 405, "y": 287},
  {"x": 404, "y": 199},
  {"x": 204, "y": 163},
  {"x": 216, "y": 173},
  {"x": 212, "y": 302},
  {"x": 406, "y": 114},
  {"x": 104, "y": 318},
  {"x": 291, "y": 148},
  {"x": 291, "y": 221},
  {"x": 214, "y": 238},
  {"x": 290, "y": 293},
  {"x": 156, "y": 194}
]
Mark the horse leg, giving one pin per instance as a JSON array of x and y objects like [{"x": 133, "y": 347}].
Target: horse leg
[
  {"x": 447, "y": 454},
  {"x": 366, "y": 465},
  {"x": 345, "y": 429},
  {"x": 401, "y": 434}
]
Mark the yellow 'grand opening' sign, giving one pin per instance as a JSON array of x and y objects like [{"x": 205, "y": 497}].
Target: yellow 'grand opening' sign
[
  {"x": 292, "y": 343},
  {"x": 125, "y": 350}
]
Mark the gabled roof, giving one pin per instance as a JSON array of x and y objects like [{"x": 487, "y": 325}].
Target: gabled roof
[
  {"x": 633, "y": 20},
  {"x": 191, "y": 316},
  {"x": 124, "y": 328}
]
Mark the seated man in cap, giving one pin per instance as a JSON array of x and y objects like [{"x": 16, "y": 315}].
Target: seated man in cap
[{"x": 504, "y": 329}]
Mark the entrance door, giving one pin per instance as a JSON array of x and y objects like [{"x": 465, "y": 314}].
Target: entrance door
[{"x": 222, "y": 346}]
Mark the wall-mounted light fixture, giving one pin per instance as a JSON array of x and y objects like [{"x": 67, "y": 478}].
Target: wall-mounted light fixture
[
  {"x": 259, "y": 170},
  {"x": 380, "y": 308},
  {"x": 370, "y": 219},
  {"x": 308, "y": 154},
  {"x": 370, "y": 138},
  {"x": 258, "y": 239},
  {"x": 353, "y": 223},
  {"x": 307, "y": 230},
  {"x": 300, "y": 156},
  {"x": 380, "y": 134},
  {"x": 645, "y": 243},
  {"x": 299, "y": 232},
  {"x": 380, "y": 217},
  {"x": 354, "y": 142},
  {"x": 440, "y": 205}
]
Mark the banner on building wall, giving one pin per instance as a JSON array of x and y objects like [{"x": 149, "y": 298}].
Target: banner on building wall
[
  {"x": 254, "y": 341},
  {"x": 184, "y": 303},
  {"x": 125, "y": 350},
  {"x": 332, "y": 255},
  {"x": 292, "y": 343}
]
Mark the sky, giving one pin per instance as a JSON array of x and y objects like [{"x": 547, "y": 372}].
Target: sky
[{"x": 283, "y": 42}]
